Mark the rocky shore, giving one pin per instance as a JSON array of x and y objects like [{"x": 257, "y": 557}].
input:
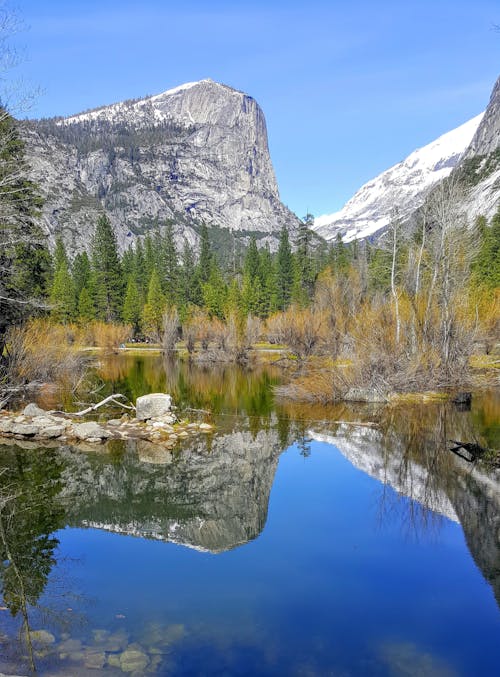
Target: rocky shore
[{"x": 154, "y": 421}]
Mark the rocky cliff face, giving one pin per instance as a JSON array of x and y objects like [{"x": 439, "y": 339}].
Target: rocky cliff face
[
  {"x": 211, "y": 500},
  {"x": 401, "y": 189},
  {"x": 486, "y": 140},
  {"x": 473, "y": 150},
  {"x": 196, "y": 153},
  {"x": 480, "y": 165}
]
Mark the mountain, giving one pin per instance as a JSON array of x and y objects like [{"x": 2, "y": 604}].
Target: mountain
[
  {"x": 196, "y": 153},
  {"x": 480, "y": 164},
  {"x": 403, "y": 187}
]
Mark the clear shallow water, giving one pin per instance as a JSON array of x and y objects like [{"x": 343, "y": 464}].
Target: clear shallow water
[{"x": 284, "y": 544}]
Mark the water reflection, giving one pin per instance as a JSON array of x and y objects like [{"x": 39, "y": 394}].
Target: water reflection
[
  {"x": 30, "y": 512},
  {"x": 213, "y": 495},
  {"x": 408, "y": 450}
]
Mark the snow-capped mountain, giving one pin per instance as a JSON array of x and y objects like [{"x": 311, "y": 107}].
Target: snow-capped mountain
[
  {"x": 401, "y": 188},
  {"x": 194, "y": 154}
]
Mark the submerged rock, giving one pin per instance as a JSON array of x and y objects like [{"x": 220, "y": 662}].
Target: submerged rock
[
  {"x": 94, "y": 659},
  {"x": 132, "y": 660},
  {"x": 42, "y": 638}
]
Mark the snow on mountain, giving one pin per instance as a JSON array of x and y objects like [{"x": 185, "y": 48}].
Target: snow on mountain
[
  {"x": 168, "y": 106},
  {"x": 403, "y": 187},
  {"x": 194, "y": 154}
]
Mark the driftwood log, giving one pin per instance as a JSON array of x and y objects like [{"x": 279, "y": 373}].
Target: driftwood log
[{"x": 111, "y": 399}]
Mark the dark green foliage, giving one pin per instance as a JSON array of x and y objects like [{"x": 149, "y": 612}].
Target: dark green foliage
[
  {"x": 62, "y": 291},
  {"x": 152, "y": 313},
  {"x": 106, "y": 268},
  {"x": 86, "y": 309},
  {"x": 475, "y": 169},
  {"x": 340, "y": 255},
  {"x": 30, "y": 513},
  {"x": 486, "y": 268},
  {"x": 215, "y": 293},
  {"x": 24, "y": 257},
  {"x": 169, "y": 267},
  {"x": 379, "y": 270},
  {"x": 206, "y": 256},
  {"x": 132, "y": 305},
  {"x": 189, "y": 286},
  {"x": 81, "y": 272},
  {"x": 284, "y": 272},
  {"x": 304, "y": 267}
]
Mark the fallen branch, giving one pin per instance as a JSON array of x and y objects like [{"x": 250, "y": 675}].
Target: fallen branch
[{"x": 111, "y": 399}]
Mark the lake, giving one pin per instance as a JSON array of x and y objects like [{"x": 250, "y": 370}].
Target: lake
[{"x": 295, "y": 540}]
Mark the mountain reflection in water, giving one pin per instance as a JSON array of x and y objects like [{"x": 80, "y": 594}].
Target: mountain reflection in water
[{"x": 212, "y": 494}]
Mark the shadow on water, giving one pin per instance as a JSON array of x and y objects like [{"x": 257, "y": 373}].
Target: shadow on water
[{"x": 212, "y": 494}]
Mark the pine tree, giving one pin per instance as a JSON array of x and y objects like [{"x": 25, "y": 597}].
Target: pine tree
[
  {"x": 486, "y": 267},
  {"x": 86, "y": 310},
  {"x": 140, "y": 275},
  {"x": 268, "y": 282},
  {"x": 284, "y": 271},
  {"x": 189, "y": 286},
  {"x": 304, "y": 275},
  {"x": 152, "y": 314},
  {"x": 24, "y": 257},
  {"x": 81, "y": 271},
  {"x": 151, "y": 256},
  {"x": 215, "y": 293},
  {"x": 107, "y": 272},
  {"x": 128, "y": 263},
  {"x": 169, "y": 267},
  {"x": 206, "y": 256},
  {"x": 132, "y": 305},
  {"x": 62, "y": 291},
  {"x": 339, "y": 256},
  {"x": 251, "y": 265}
]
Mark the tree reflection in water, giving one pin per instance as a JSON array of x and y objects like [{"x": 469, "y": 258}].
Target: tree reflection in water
[{"x": 30, "y": 483}]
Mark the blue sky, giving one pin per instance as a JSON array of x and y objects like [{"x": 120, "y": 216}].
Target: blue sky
[{"x": 348, "y": 88}]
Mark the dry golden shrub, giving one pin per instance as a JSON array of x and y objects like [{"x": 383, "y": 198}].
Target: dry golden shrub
[
  {"x": 108, "y": 336},
  {"x": 303, "y": 330},
  {"x": 43, "y": 351}
]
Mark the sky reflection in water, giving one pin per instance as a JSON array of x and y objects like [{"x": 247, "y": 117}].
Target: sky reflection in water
[{"x": 320, "y": 567}]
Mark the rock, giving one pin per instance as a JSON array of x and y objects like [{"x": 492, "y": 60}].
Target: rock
[
  {"x": 6, "y": 425},
  {"x": 94, "y": 659},
  {"x": 25, "y": 429},
  {"x": 43, "y": 421},
  {"x": 175, "y": 632},
  {"x": 114, "y": 660},
  {"x": 85, "y": 431},
  {"x": 365, "y": 395},
  {"x": 52, "y": 431},
  {"x": 42, "y": 638},
  {"x": 206, "y": 427},
  {"x": 115, "y": 421},
  {"x": 70, "y": 646},
  {"x": 219, "y": 171},
  {"x": 32, "y": 409},
  {"x": 152, "y": 406},
  {"x": 132, "y": 660}
]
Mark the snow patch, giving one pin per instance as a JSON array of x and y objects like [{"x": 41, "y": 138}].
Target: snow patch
[{"x": 402, "y": 187}]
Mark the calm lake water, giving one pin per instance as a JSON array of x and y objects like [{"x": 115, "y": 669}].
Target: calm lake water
[{"x": 293, "y": 541}]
